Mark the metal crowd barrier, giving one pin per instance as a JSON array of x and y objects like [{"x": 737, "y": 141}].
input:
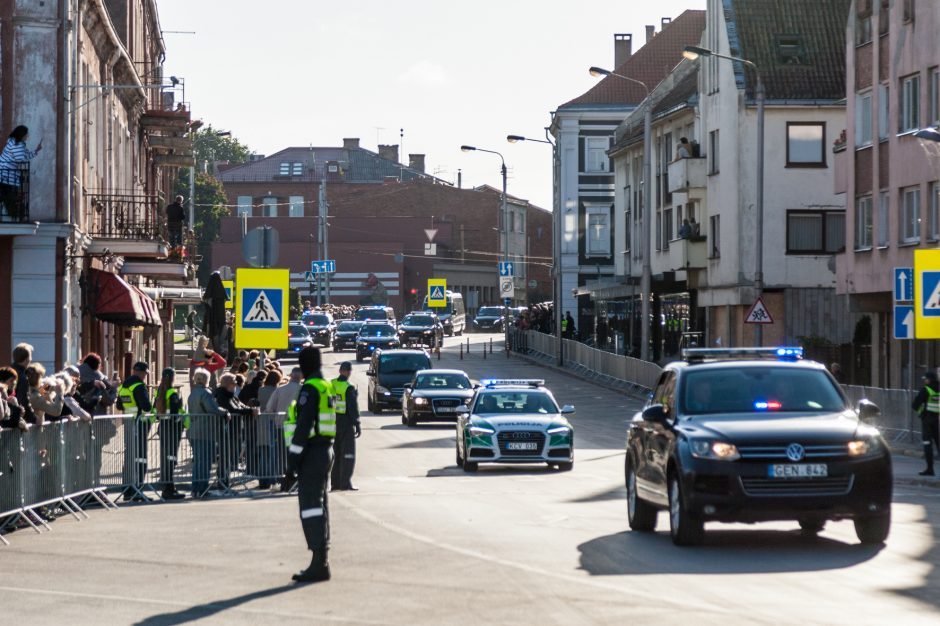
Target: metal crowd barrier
[
  {"x": 72, "y": 464},
  {"x": 897, "y": 421}
]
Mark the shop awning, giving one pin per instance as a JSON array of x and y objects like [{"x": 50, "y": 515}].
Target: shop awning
[{"x": 113, "y": 300}]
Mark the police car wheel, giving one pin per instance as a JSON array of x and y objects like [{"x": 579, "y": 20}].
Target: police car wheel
[
  {"x": 459, "y": 458},
  {"x": 470, "y": 466}
]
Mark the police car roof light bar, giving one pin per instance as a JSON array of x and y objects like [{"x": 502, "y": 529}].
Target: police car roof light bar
[
  {"x": 519, "y": 382},
  {"x": 779, "y": 353}
]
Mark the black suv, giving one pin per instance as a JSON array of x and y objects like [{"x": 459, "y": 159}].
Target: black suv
[
  {"x": 422, "y": 328},
  {"x": 388, "y": 373},
  {"x": 345, "y": 335},
  {"x": 375, "y": 336},
  {"x": 491, "y": 319},
  {"x": 321, "y": 327},
  {"x": 751, "y": 435}
]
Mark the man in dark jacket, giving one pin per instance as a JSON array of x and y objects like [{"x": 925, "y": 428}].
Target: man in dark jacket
[
  {"x": 348, "y": 430},
  {"x": 95, "y": 391},
  {"x": 310, "y": 428},
  {"x": 927, "y": 404},
  {"x": 134, "y": 399},
  {"x": 230, "y": 430},
  {"x": 175, "y": 216},
  {"x": 22, "y": 357}
]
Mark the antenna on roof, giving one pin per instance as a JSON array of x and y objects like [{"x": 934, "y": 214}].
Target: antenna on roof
[{"x": 401, "y": 141}]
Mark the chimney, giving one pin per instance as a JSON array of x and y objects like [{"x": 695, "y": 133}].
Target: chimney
[
  {"x": 666, "y": 21},
  {"x": 389, "y": 152},
  {"x": 459, "y": 179},
  {"x": 623, "y": 48},
  {"x": 650, "y": 32},
  {"x": 416, "y": 162},
  {"x": 351, "y": 143}
]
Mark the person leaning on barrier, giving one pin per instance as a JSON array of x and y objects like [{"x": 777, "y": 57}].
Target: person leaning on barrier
[
  {"x": 71, "y": 407},
  {"x": 168, "y": 406},
  {"x": 266, "y": 431},
  {"x": 134, "y": 399},
  {"x": 11, "y": 413},
  {"x": 22, "y": 357},
  {"x": 204, "y": 415},
  {"x": 348, "y": 429},
  {"x": 45, "y": 397},
  {"x": 927, "y": 405},
  {"x": 310, "y": 428},
  {"x": 96, "y": 393}
]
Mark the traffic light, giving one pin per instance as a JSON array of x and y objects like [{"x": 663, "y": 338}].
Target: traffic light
[
  {"x": 414, "y": 291},
  {"x": 414, "y": 298}
]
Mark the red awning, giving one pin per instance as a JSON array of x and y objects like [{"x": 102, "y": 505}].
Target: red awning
[{"x": 113, "y": 300}]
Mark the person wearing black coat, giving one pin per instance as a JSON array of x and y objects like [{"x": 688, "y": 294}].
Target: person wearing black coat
[
  {"x": 230, "y": 431},
  {"x": 927, "y": 404}
]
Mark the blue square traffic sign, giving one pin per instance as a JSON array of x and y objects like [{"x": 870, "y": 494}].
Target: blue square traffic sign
[
  {"x": 903, "y": 321},
  {"x": 903, "y": 284},
  {"x": 262, "y": 309},
  {"x": 506, "y": 268},
  {"x": 930, "y": 294}
]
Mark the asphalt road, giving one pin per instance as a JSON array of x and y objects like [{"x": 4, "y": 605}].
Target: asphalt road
[{"x": 424, "y": 543}]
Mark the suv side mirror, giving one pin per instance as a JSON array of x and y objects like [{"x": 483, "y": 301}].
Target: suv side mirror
[
  {"x": 567, "y": 410},
  {"x": 655, "y": 413},
  {"x": 868, "y": 410},
  {"x": 370, "y": 372}
]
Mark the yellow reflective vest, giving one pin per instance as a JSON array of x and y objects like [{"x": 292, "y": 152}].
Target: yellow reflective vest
[{"x": 327, "y": 411}]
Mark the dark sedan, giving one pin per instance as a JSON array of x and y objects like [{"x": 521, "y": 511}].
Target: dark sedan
[
  {"x": 321, "y": 327},
  {"x": 298, "y": 338},
  {"x": 435, "y": 395},
  {"x": 490, "y": 319},
  {"x": 421, "y": 329},
  {"x": 752, "y": 435},
  {"x": 375, "y": 336},
  {"x": 345, "y": 335}
]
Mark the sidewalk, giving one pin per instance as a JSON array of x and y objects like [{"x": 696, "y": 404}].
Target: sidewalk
[{"x": 907, "y": 468}]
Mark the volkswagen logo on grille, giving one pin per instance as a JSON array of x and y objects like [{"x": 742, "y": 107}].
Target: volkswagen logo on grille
[
  {"x": 795, "y": 452},
  {"x": 519, "y": 435}
]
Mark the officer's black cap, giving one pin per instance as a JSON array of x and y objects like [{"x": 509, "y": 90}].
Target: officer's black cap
[
  {"x": 167, "y": 372},
  {"x": 309, "y": 361},
  {"x": 345, "y": 366},
  {"x": 140, "y": 366},
  {"x": 931, "y": 375}
]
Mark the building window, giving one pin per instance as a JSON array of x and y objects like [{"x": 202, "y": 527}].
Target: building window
[
  {"x": 933, "y": 98},
  {"x": 667, "y": 228},
  {"x": 596, "y": 159},
  {"x": 863, "y": 223},
  {"x": 883, "y": 111},
  {"x": 296, "y": 206},
  {"x": 270, "y": 207},
  {"x": 908, "y": 10},
  {"x": 933, "y": 212},
  {"x": 714, "y": 235},
  {"x": 244, "y": 206},
  {"x": 284, "y": 169},
  {"x": 297, "y": 169},
  {"x": 659, "y": 230},
  {"x": 884, "y": 202},
  {"x": 909, "y": 117},
  {"x": 863, "y": 22},
  {"x": 598, "y": 230},
  {"x": 910, "y": 215},
  {"x": 884, "y": 17},
  {"x": 713, "y": 152},
  {"x": 805, "y": 141},
  {"x": 862, "y": 119},
  {"x": 815, "y": 232}
]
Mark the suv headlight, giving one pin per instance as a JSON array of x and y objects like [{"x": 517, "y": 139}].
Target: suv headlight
[
  {"x": 381, "y": 389},
  {"x": 714, "y": 450},
  {"x": 861, "y": 447},
  {"x": 421, "y": 401}
]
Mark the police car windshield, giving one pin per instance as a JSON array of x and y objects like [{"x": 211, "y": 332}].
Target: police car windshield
[
  {"x": 418, "y": 320},
  {"x": 377, "y": 330},
  {"x": 489, "y": 311},
  {"x": 317, "y": 318},
  {"x": 349, "y": 327},
  {"x": 297, "y": 331},
  {"x": 758, "y": 390},
  {"x": 371, "y": 314},
  {"x": 507, "y": 402},
  {"x": 442, "y": 381}
]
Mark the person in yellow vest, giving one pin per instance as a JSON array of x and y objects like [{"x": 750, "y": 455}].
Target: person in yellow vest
[
  {"x": 310, "y": 429},
  {"x": 133, "y": 398},
  {"x": 168, "y": 406},
  {"x": 927, "y": 404},
  {"x": 348, "y": 430}
]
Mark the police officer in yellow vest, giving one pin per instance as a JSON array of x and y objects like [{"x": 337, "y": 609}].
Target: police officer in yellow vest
[
  {"x": 169, "y": 409},
  {"x": 927, "y": 403},
  {"x": 310, "y": 429},
  {"x": 133, "y": 398},
  {"x": 348, "y": 430}
]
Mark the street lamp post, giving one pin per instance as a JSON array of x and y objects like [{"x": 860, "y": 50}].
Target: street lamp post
[
  {"x": 556, "y": 244},
  {"x": 692, "y": 53},
  {"x": 505, "y": 215},
  {"x": 646, "y": 279}
]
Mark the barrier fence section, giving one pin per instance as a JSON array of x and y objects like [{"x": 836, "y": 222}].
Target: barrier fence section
[{"x": 71, "y": 463}]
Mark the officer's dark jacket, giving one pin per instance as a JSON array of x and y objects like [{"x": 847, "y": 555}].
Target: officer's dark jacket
[
  {"x": 141, "y": 396},
  {"x": 308, "y": 418},
  {"x": 920, "y": 400},
  {"x": 352, "y": 406}
]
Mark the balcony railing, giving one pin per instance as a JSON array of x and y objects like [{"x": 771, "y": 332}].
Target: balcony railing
[
  {"x": 14, "y": 194},
  {"x": 125, "y": 216},
  {"x": 686, "y": 174}
]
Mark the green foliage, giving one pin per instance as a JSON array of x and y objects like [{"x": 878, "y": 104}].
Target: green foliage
[{"x": 209, "y": 146}]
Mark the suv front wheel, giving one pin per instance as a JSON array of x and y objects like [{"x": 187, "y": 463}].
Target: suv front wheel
[
  {"x": 641, "y": 515},
  {"x": 685, "y": 528},
  {"x": 873, "y": 530}
]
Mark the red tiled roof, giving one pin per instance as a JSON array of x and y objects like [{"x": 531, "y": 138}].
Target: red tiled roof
[{"x": 650, "y": 64}]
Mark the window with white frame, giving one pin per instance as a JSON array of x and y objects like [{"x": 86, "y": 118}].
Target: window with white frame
[
  {"x": 883, "y": 111},
  {"x": 909, "y": 100},
  {"x": 595, "y": 154},
  {"x": 296, "y": 206},
  {"x": 933, "y": 212},
  {"x": 863, "y": 225},
  {"x": 933, "y": 99},
  {"x": 815, "y": 232},
  {"x": 863, "y": 22},
  {"x": 884, "y": 204},
  {"x": 597, "y": 238},
  {"x": 244, "y": 206},
  {"x": 805, "y": 141},
  {"x": 297, "y": 168},
  {"x": 714, "y": 234},
  {"x": 862, "y": 119},
  {"x": 270, "y": 207},
  {"x": 910, "y": 215}
]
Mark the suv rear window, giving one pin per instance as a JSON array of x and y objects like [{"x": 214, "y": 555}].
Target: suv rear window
[{"x": 758, "y": 389}]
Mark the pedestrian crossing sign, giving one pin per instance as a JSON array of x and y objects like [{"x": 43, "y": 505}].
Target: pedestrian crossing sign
[
  {"x": 261, "y": 312},
  {"x": 437, "y": 292},
  {"x": 927, "y": 294},
  {"x": 229, "y": 286}
]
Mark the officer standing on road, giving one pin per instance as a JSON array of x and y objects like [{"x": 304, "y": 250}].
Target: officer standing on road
[
  {"x": 348, "y": 430},
  {"x": 927, "y": 403},
  {"x": 133, "y": 398},
  {"x": 310, "y": 429}
]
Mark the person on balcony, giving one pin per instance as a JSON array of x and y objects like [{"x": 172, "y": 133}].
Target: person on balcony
[
  {"x": 685, "y": 231},
  {"x": 13, "y": 160},
  {"x": 684, "y": 149},
  {"x": 175, "y": 216}
]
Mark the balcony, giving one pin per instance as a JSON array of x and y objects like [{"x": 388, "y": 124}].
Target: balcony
[
  {"x": 688, "y": 254},
  {"x": 14, "y": 194},
  {"x": 840, "y": 169},
  {"x": 127, "y": 225},
  {"x": 179, "y": 266},
  {"x": 686, "y": 175}
]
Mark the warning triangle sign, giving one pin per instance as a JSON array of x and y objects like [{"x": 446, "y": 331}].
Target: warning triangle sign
[
  {"x": 262, "y": 310},
  {"x": 430, "y": 232},
  {"x": 758, "y": 314}
]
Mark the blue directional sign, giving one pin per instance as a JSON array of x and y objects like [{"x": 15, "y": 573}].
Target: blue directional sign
[
  {"x": 323, "y": 267},
  {"x": 903, "y": 321},
  {"x": 506, "y": 268},
  {"x": 262, "y": 309},
  {"x": 903, "y": 284}
]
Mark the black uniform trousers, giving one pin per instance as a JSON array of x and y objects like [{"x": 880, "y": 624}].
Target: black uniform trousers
[
  {"x": 930, "y": 427},
  {"x": 171, "y": 432},
  {"x": 136, "y": 432},
  {"x": 312, "y": 474},
  {"x": 344, "y": 453}
]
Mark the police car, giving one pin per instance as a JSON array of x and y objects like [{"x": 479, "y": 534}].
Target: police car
[{"x": 514, "y": 421}]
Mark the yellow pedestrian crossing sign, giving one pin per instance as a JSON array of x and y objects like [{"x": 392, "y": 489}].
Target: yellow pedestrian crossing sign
[
  {"x": 261, "y": 312},
  {"x": 229, "y": 286},
  {"x": 927, "y": 294},
  {"x": 437, "y": 292}
]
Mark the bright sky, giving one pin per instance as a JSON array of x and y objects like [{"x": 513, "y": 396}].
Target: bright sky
[{"x": 296, "y": 73}]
